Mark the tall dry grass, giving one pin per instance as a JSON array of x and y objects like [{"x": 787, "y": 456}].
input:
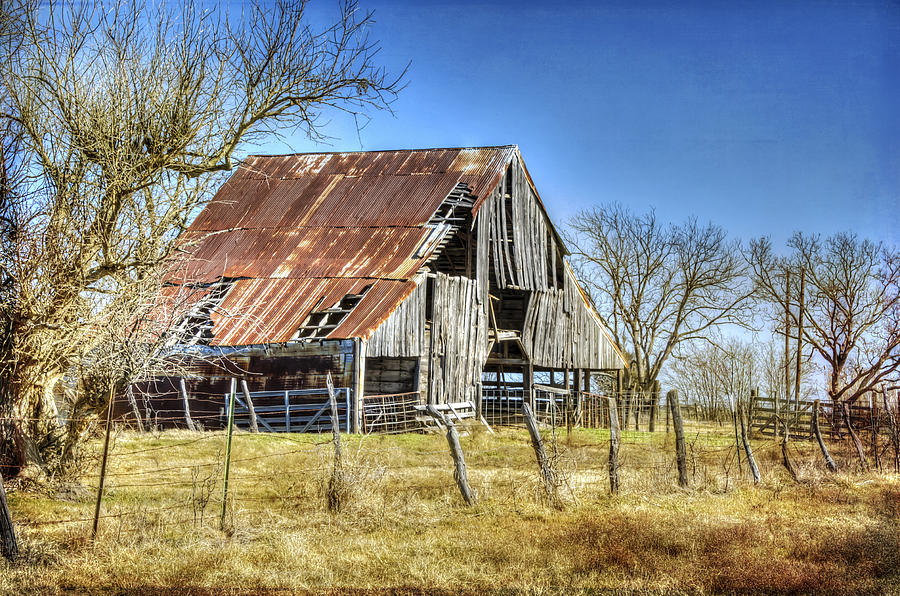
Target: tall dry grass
[{"x": 404, "y": 528}]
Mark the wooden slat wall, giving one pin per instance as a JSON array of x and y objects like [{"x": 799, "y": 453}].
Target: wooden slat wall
[
  {"x": 459, "y": 339},
  {"x": 513, "y": 231},
  {"x": 559, "y": 329},
  {"x": 402, "y": 334}
]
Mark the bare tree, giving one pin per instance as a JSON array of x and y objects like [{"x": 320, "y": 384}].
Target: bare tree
[
  {"x": 125, "y": 115},
  {"x": 852, "y": 309},
  {"x": 715, "y": 375},
  {"x": 657, "y": 286}
]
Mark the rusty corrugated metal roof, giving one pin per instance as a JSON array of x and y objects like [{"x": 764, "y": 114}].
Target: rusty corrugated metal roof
[{"x": 299, "y": 232}]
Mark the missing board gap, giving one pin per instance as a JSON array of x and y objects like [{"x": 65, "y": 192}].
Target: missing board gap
[{"x": 322, "y": 321}]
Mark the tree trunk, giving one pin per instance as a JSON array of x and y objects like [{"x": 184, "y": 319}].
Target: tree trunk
[
  {"x": 829, "y": 463},
  {"x": 857, "y": 443}
]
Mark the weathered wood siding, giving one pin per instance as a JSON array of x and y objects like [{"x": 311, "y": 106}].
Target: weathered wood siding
[
  {"x": 402, "y": 334},
  {"x": 515, "y": 236},
  {"x": 560, "y": 331},
  {"x": 276, "y": 368},
  {"x": 458, "y": 338},
  {"x": 517, "y": 249},
  {"x": 389, "y": 376}
]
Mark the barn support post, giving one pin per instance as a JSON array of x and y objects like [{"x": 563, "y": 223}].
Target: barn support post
[
  {"x": 359, "y": 382},
  {"x": 478, "y": 401},
  {"x": 579, "y": 387},
  {"x": 528, "y": 384}
]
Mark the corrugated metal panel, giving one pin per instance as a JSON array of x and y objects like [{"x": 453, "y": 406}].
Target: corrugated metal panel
[
  {"x": 263, "y": 310},
  {"x": 295, "y": 228},
  {"x": 306, "y": 252}
]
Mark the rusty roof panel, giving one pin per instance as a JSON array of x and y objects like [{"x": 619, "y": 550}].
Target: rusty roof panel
[
  {"x": 305, "y": 252},
  {"x": 295, "y": 228},
  {"x": 258, "y": 311}
]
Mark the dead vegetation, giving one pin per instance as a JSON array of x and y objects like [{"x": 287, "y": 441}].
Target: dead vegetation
[{"x": 406, "y": 529}]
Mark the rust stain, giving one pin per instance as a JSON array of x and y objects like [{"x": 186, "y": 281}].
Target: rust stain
[{"x": 299, "y": 232}]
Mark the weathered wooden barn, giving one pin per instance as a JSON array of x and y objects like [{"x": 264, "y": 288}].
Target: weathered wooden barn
[{"x": 434, "y": 273}]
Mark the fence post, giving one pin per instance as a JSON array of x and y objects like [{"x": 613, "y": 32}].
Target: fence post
[
  {"x": 336, "y": 484},
  {"x": 654, "y": 401},
  {"x": 748, "y": 450},
  {"x": 134, "y": 408},
  {"x": 109, "y": 410},
  {"x": 680, "y": 453},
  {"x": 187, "y": 407},
  {"x": 547, "y": 475},
  {"x": 460, "y": 474},
  {"x": 829, "y": 463},
  {"x": 8, "y": 545},
  {"x": 228, "y": 451},
  {"x": 614, "y": 438},
  {"x": 254, "y": 425}
]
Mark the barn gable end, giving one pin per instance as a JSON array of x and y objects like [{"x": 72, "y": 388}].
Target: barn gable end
[{"x": 439, "y": 267}]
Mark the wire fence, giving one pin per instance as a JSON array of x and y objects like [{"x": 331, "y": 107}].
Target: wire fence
[{"x": 158, "y": 479}]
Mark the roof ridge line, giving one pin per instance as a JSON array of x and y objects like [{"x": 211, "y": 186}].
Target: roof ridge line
[{"x": 408, "y": 150}]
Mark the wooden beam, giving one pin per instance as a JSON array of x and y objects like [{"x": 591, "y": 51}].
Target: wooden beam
[
  {"x": 508, "y": 362},
  {"x": 359, "y": 382}
]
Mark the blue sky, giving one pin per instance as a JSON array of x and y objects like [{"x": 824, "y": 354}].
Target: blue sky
[{"x": 762, "y": 117}]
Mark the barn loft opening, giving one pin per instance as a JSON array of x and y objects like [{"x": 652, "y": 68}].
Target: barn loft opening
[
  {"x": 319, "y": 323},
  {"x": 196, "y": 326},
  {"x": 451, "y": 241}
]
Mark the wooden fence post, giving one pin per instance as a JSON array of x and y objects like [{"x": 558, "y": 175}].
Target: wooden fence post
[
  {"x": 654, "y": 406},
  {"x": 614, "y": 438},
  {"x": 460, "y": 474},
  {"x": 231, "y": 396},
  {"x": 829, "y": 463},
  {"x": 109, "y": 410},
  {"x": 748, "y": 450},
  {"x": 548, "y": 477},
  {"x": 254, "y": 424},
  {"x": 336, "y": 484},
  {"x": 680, "y": 453},
  {"x": 134, "y": 408},
  {"x": 187, "y": 407},
  {"x": 9, "y": 548}
]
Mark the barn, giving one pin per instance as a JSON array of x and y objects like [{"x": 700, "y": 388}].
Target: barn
[{"x": 411, "y": 276}]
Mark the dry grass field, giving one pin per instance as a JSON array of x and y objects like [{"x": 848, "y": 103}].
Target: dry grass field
[{"x": 405, "y": 528}]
